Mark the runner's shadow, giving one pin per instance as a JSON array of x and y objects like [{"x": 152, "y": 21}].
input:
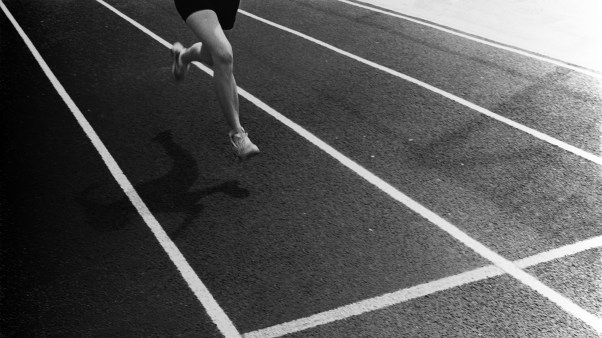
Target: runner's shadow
[{"x": 166, "y": 194}]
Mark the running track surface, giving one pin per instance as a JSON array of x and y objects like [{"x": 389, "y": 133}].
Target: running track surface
[{"x": 295, "y": 232}]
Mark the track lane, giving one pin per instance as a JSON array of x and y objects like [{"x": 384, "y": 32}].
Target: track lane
[
  {"x": 482, "y": 175},
  {"x": 530, "y": 92},
  {"x": 76, "y": 258},
  {"x": 476, "y": 108},
  {"x": 516, "y": 195},
  {"x": 233, "y": 238}
]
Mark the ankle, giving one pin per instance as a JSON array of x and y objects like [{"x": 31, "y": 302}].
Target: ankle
[{"x": 237, "y": 130}]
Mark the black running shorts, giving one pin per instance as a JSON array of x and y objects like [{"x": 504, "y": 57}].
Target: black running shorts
[{"x": 225, "y": 9}]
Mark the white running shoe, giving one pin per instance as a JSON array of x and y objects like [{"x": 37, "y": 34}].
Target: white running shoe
[
  {"x": 177, "y": 68},
  {"x": 242, "y": 145}
]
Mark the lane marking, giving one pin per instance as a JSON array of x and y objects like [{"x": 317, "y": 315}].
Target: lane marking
[
  {"x": 480, "y": 40},
  {"x": 563, "y": 251},
  {"x": 546, "y": 138},
  {"x": 196, "y": 285},
  {"x": 501, "y": 262},
  {"x": 375, "y": 303},
  {"x": 417, "y": 291}
]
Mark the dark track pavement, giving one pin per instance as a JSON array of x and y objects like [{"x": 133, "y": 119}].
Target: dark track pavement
[{"x": 292, "y": 232}]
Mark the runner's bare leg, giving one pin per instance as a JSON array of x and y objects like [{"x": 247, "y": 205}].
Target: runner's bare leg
[{"x": 215, "y": 44}]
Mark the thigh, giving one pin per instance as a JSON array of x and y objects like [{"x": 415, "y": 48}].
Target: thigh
[{"x": 207, "y": 28}]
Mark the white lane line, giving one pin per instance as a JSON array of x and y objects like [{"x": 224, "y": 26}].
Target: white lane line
[
  {"x": 546, "y": 138},
  {"x": 563, "y": 251},
  {"x": 376, "y": 303},
  {"x": 196, "y": 285},
  {"x": 480, "y": 40},
  {"x": 417, "y": 291},
  {"x": 506, "y": 265},
  {"x": 136, "y": 24}
]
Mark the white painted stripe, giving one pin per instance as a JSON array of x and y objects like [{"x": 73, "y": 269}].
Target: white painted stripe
[
  {"x": 546, "y": 138},
  {"x": 375, "y": 303},
  {"x": 196, "y": 285},
  {"x": 564, "y": 251},
  {"x": 136, "y": 24},
  {"x": 480, "y": 40},
  {"x": 451, "y": 229},
  {"x": 421, "y": 290}
]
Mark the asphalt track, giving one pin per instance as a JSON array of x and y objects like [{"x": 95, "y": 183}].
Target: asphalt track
[{"x": 293, "y": 233}]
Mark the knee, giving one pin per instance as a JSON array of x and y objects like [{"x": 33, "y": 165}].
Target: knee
[{"x": 223, "y": 57}]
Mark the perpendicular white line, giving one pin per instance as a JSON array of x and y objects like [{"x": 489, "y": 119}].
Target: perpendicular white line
[
  {"x": 417, "y": 291},
  {"x": 544, "y": 137},
  {"x": 479, "y": 39},
  {"x": 506, "y": 265},
  {"x": 196, "y": 285},
  {"x": 376, "y": 303},
  {"x": 563, "y": 251}
]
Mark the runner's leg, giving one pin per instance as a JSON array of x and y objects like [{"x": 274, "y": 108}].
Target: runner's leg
[{"x": 207, "y": 28}]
